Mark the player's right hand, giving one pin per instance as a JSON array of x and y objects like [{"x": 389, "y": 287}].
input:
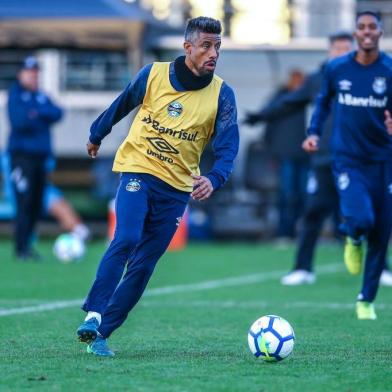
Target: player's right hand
[
  {"x": 202, "y": 187},
  {"x": 92, "y": 149},
  {"x": 310, "y": 144}
]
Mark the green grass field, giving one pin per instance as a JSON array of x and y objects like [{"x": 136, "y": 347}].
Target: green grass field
[{"x": 192, "y": 335}]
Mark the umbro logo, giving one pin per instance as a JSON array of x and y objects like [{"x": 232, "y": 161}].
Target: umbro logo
[
  {"x": 162, "y": 145},
  {"x": 345, "y": 85}
]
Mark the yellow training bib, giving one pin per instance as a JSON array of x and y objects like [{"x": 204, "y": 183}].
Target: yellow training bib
[{"x": 170, "y": 130}]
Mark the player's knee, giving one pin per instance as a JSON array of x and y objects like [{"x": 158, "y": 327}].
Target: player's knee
[
  {"x": 126, "y": 241},
  {"x": 313, "y": 216},
  {"x": 364, "y": 222},
  {"x": 146, "y": 269}
]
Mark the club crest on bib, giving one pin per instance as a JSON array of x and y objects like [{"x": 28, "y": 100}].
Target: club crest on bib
[
  {"x": 343, "y": 181},
  {"x": 379, "y": 85},
  {"x": 133, "y": 185},
  {"x": 174, "y": 109}
]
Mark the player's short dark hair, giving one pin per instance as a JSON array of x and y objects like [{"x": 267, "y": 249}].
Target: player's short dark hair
[
  {"x": 375, "y": 14},
  {"x": 340, "y": 36},
  {"x": 201, "y": 24}
]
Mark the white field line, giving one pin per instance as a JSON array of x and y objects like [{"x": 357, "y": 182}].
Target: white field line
[
  {"x": 41, "y": 308},
  {"x": 22, "y": 302},
  {"x": 229, "y": 304},
  {"x": 183, "y": 288}
]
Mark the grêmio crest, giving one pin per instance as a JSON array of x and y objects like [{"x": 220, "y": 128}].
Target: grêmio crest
[
  {"x": 174, "y": 109},
  {"x": 379, "y": 85}
]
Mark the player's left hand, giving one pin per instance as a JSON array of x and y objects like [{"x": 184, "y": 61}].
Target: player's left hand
[
  {"x": 388, "y": 121},
  {"x": 202, "y": 188},
  {"x": 92, "y": 149},
  {"x": 310, "y": 144}
]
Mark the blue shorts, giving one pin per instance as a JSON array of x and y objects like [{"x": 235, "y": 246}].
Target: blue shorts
[{"x": 52, "y": 194}]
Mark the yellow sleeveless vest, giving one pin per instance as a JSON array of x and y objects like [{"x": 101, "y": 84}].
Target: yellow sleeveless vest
[{"x": 170, "y": 130}]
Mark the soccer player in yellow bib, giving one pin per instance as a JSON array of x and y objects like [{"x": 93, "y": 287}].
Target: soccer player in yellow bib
[{"x": 183, "y": 105}]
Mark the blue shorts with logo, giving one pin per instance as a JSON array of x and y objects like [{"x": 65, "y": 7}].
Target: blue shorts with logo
[
  {"x": 148, "y": 212},
  {"x": 365, "y": 197}
]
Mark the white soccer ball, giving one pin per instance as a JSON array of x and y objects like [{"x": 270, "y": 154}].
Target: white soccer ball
[
  {"x": 68, "y": 248},
  {"x": 271, "y": 338}
]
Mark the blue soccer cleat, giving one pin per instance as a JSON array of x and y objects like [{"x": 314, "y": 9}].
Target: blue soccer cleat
[
  {"x": 88, "y": 331},
  {"x": 100, "y": 348}
]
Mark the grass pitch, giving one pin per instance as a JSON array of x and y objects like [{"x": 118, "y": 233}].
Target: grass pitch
[{"x": 189, "y": 332}]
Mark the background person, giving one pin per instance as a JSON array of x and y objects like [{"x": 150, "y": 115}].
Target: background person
[
  {"x": 31, "y": 114},
  {"x": 59, "y": 208},
  {"x": 321, "y": 198},
  {"x": 283, "y": 138},
  {"x": 358, "y": 85},
  {"x": 54, "y": 202},
  {"x": 321, "y": 195}
]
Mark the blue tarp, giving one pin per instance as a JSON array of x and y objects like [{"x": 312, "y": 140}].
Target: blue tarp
[{"x": 73, "y": 9}]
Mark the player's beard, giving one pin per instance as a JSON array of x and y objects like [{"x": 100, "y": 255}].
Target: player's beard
[{"x": 188, "y": 79}]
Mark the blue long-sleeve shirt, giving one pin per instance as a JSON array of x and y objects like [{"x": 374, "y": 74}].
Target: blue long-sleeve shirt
[
  {"x": 360, "y": 95},
  {"x": 31, "y": 114},
  {"x": 226, "y": 136},
  {"x": 299, "y": 99}
]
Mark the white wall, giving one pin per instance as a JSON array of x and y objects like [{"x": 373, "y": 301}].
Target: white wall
[
  {"x": 80, "y": 108},
  {"x": 319, "y": 18}
]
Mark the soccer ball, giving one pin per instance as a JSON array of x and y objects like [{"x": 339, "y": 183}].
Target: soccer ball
[
  {"x": 271, "y": 338},
  {"x": 68, "y": 247}
]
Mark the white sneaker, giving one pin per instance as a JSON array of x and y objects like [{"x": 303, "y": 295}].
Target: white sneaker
[
  {"x": 298, "y": 277},
  {"x": 386, "y": 278}
]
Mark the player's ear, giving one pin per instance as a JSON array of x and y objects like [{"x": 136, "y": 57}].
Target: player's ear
[
  {"x": 187, "y": 47},
  {"x": 381, "y": 28}
]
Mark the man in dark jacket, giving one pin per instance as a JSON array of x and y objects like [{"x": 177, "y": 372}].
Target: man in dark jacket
[
  {"x": 283, "y": 138},
  {"x": 31, "y": 113},
  {"x": 322, "y": 198}
]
